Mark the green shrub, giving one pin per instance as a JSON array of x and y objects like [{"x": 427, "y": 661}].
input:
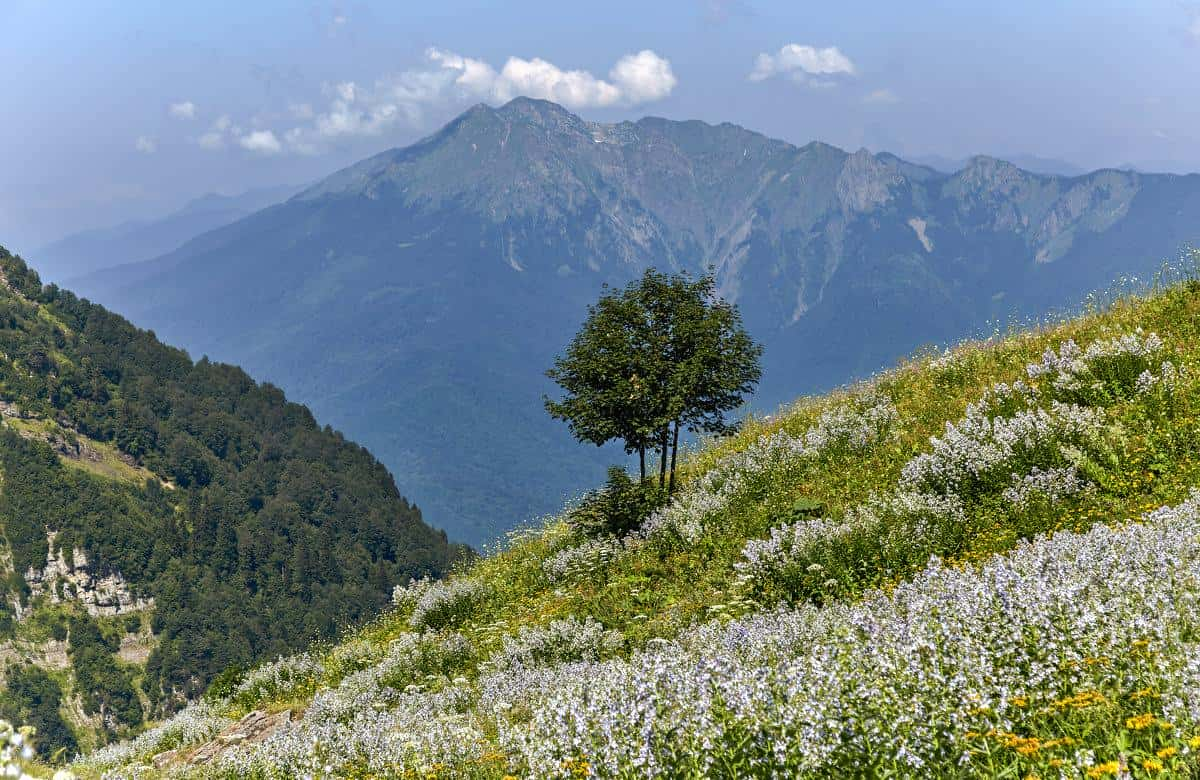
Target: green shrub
[{"x": 620, "y": 506}]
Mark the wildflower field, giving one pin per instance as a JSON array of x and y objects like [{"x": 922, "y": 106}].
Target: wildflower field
[{"x": 983, "y": 563}]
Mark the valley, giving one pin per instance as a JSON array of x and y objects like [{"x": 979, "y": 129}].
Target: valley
[{"x": 414, "y": 300}]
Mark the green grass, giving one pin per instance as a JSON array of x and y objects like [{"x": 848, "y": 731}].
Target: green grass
[
  {"x": 109, "y": 465},
  {"x": 1148, "y": 458}
]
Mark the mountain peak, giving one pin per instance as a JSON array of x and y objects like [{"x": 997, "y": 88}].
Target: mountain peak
[
  {"x": 524, "y": 103},
  {"x": 542, "y": 113}
]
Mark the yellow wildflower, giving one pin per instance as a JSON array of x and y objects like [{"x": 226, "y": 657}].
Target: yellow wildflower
[
  {"x": 1107, "y": 768},
  {"x": 1139, "y": 722},
  {"x": 1167, "y": 752},
  {"x": 1152, "y": 765}
]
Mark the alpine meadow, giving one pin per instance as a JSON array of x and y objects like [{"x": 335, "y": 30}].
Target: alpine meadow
[
  {"x": 689, "y": 390},
  {"x": 981, "y": 563}
]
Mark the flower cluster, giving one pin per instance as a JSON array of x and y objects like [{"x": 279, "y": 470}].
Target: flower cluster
[
  {"x": 414, "y": 731},
  {"x": 16, "y": 751},
  {"x": 979, "y": 450},
  {"x": 446, "y": 602},
  {"x": 560, "y": 641},
  {"x": 582, "y": 560},
  {"x": 1003, "y": 400},
  {"x": 854, "y": 426},
  {"x": 406, "y": 596},
  {"x": 278, "y": 678},
  {"x": 410, "y": 662},
  {"x": 1006, "y": 443},
  {"x": 1106, "y": 368},
  {"x": 1167, "y": 378},
  {"x": 899, "y": 681},
  {"x": 851, "y": 427},
  {"x": 819, "y": 556},
  {"x": 197, "y": 722},
  {"x": 1050, "y": 485}
]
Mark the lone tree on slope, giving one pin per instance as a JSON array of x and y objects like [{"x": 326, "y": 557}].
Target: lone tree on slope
[{"x": 662, "y": 354}]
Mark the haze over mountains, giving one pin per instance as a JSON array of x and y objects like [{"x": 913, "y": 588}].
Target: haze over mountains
[
  {"x": 414, "y": 299},
  {"x": 92, "y": 250}
]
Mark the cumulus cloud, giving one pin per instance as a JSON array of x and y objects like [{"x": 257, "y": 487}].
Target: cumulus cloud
[
  {"x": 804, "y": 64},
  {"x": 638, "y": 78},
  {"x": 881, "y": 97},
  {"x": 262, "y": 141},
  {"x": 184, "y": 110},
  {"x": 643, "y": 77},
  {"x": 449, "y": 79},
  {"x": 145, "y": 144}
]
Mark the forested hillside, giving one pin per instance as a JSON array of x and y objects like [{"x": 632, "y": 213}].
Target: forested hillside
[{"x": 165, "y": 519}]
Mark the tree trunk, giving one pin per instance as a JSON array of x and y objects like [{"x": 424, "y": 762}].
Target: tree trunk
[
  {"x": 662, "y": 461},
  {"x": 674, "y": 452},
  {"x": 642, "y": 460}
]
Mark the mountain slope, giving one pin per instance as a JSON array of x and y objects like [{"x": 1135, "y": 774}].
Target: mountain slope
[
  {"x": 87, "y": 252},
  {"x": 162, "y": 520},
  {"x": 414, "y": 299},
  {"x": 979, "y": 564}
]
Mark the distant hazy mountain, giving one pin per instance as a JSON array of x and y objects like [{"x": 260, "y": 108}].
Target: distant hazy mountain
[
  {"x": 1027, "y": 162},
  {"x": 414, "y": 299},
  {"x": 93, "y": 250}
]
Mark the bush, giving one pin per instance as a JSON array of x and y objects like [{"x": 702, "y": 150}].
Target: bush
[
  {"x": 620, "y": 506},
  {"x": 448, "y": 603},
  {"x": 559, "y": 642},
  {"x": 225, "y": 683}
]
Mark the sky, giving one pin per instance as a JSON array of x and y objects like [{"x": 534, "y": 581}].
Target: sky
[{"x": 122, "y": 111}]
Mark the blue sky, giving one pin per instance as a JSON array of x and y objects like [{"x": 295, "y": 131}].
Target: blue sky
[{"x": 128, "y": 111}]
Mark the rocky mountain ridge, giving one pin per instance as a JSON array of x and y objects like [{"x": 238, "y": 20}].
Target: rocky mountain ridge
[{"x": 414, "y": 298}]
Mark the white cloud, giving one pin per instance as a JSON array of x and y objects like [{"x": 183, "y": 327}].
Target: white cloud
[
  {"x": 145, "y": 144},
  {"x": 184, "y": 110},
  {"x": 881, "y": 97},
  {"x": 638, "y": 78},
  {"x": 802, "y": 63},
  {"x": 643, "y": 77},
  {"x": 217, "y": 135},
  {"x": 410, "y": 97},
  {"x": 262, "y": 141}
]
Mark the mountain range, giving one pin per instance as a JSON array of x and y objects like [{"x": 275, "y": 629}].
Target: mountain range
[
  {"x": 414, "y": 299},
  {"x": 89, "y": 251}
]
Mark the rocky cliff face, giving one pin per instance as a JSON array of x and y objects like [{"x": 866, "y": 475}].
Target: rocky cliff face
[{"x": 69, "y": 577}]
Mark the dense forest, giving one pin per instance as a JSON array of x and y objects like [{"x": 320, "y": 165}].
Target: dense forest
[{"x": 255, "y": 531}]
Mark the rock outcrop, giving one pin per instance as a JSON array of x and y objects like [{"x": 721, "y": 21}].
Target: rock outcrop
[
  {"x": 71, "y": 579},
  {"x": 254, "y": 727}
]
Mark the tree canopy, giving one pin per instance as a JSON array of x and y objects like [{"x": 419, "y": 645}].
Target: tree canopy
[
  {"x": 663, "y": 354},
  {"x": 254, "y": 529}
]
